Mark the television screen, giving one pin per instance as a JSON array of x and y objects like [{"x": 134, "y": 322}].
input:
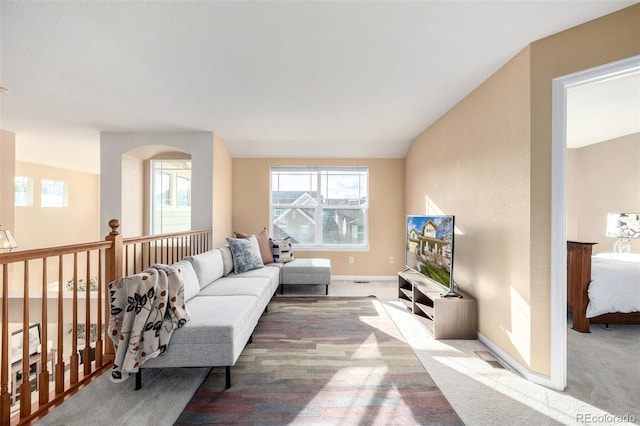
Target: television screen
[
  {"x": 429, "y": 247},
  {"x": 17, "y": 339}
]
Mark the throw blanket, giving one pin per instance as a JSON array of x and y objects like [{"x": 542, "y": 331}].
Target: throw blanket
[{"x": 145, "y": 309}]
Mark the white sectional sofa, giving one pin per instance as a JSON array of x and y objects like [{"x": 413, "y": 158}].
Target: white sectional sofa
[{"x": 225, "y": 308}]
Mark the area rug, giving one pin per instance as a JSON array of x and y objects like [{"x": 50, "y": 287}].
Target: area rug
[{"x": 323, "y": 360}]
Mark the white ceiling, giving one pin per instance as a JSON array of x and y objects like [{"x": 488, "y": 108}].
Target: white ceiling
[
  {"x": 273, "y": 78},
  {"x": 602, "y": 111}
]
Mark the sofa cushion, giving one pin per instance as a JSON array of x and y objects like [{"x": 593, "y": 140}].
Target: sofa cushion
[
  {"x": 231, "y": 314},
  {"x": 270, "y": 271},
  {"x": 208, "y": 266},
  {"x": 227, "y": 260},
  {"x": 246, "y": 254},
  {"x": 281, "y": 250},
  {"x": 263, "y": 243},
  {"x": 232, "y": 286},
  {"x": 189, "y": 278}
]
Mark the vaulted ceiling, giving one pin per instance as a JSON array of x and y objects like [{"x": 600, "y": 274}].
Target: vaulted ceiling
[{"x": 273, "y": 78}]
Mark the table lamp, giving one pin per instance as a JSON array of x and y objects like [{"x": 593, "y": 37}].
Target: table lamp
[{"x": 623, "y": 226}]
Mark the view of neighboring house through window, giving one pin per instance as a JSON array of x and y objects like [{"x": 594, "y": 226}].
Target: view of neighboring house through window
[
  {"x": 24, "y": 191},
  {"x": 53, "y": 193},
  {"x": 325, "y": 207},
  {"x": 171, "y": 199}
]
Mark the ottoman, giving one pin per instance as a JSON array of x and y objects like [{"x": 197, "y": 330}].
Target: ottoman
[{"x": 306, "y": 271}]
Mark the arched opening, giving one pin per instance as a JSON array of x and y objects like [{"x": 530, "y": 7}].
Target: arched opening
[{"x": 156, "y": 190}]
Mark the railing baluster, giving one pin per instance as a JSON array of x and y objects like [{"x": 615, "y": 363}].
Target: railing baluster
[
  {"x": 99, "y": 347},
  {"x": 43, "y": 377},
  {"x": 25, "y": 387},
  {"x": 60, "y": 361},
  {"x": 87, "y": 320},
  {"x": 74, "y": 325},
  {"x": 5, "y": 397}
]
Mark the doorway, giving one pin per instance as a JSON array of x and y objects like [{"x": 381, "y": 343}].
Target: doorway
[{"x": 561, "y": 86}]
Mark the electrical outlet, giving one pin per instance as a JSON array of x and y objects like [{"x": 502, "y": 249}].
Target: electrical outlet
[
  {"x": 392, "y": 260},
  {"x": 351, "y": 260}
]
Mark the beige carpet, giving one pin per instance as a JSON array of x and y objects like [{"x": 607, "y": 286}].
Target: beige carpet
[{"x": 103, "y": 403}]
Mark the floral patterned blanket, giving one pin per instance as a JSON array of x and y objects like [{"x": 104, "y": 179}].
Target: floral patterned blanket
[{"x": 145, "y": 309}]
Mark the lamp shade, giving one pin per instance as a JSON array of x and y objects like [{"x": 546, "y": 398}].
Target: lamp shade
[
  {"x": 623, "y": 225},
  {"x": 7, "y": 242}
]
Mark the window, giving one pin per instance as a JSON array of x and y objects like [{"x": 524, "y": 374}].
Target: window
[
  {"x": 24, "y": 191},
  {"x": 323, "y": 207},
  {"x": 183, "y": 195},
  {"x": 53, "y": 193},
  {"x": 171, "y": 198},
  {"x": 162, "y": 188}
]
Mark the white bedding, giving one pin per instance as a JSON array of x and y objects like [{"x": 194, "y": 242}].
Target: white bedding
[{"x": 615, "y": 284}]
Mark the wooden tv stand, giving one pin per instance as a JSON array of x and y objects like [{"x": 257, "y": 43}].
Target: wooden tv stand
[{"x": 444, "y": 317}]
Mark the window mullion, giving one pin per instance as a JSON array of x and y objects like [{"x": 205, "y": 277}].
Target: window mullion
[{"x": 319, "y": 207}]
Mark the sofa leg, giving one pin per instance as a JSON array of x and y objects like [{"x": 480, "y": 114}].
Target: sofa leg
[
  {"x": 138, "y": 379},
  {"x": 326, "y": 290},
  {"x": 227, "y": 377}
]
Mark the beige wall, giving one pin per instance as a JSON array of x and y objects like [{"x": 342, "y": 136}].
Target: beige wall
[
  {"x": 134, "y": 219},
  {"x": 604, "y": 40},
  {"x": 222, "y": 191},
  {"x": 386, "y": 211},
  {"x": 602, "y": 178},
  {"x": 495, "y": 176},
  {"x": 37, "y": 226},
  {"x": 473, "y": 163},
  {"x": 7, "y": 168}
]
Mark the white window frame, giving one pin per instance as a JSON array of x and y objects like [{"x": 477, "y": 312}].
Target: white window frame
[
  {"x": 169, "y": 208},
  {"x": 28, "y": 199},
  {"x": 318, "y": 245}
]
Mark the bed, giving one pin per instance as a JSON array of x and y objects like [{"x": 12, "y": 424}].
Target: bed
[{"x": 602, "y": 289}]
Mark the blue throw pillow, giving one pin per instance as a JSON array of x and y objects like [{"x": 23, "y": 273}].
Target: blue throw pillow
[{"x": 246, "y": 254}]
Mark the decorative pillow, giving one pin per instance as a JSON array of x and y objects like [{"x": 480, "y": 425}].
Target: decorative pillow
[
  {"x": 189, "y": 278},
  {"x": 263, "y": 242},
  {"x": 281, "y": 250},
  {"x": 246, "y": 254}
]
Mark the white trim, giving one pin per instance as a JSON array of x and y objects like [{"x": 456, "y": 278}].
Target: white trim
[
  {"x": 531, "y": 376},
  {"x": 364, "y": 278},
  {"x": 558, "y": 306}
]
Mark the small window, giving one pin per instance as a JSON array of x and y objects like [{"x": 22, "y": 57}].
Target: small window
[
  {"x": 54, "y": 193},
  {"x": 24, "y": 191}
]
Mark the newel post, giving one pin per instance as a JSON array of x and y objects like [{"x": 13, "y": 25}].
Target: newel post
[{"x": 113, "y": 271}]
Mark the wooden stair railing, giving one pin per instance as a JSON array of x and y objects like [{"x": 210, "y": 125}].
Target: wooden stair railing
[{"x": 84, "y": 271}]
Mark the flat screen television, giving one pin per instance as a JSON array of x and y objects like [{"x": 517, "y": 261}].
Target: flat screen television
[
  {"x": 429, "y": 249},
  {"x": 17, "y": 340}
]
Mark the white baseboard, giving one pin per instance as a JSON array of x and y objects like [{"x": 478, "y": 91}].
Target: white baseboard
[
  {"x": 531, "y": 376},
  {"x": 364, "y": 278}
]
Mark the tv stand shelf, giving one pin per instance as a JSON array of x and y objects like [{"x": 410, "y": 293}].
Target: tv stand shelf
[{"x": 444, "y": 317}]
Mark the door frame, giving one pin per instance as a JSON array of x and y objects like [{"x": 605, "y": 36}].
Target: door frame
[{"x": 559, "y": 203}]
